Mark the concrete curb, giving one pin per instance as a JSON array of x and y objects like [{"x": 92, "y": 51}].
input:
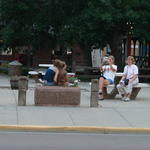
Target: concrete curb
[
  {"x": 5, "y": 87},
  {"x": 89, "y": 129}
]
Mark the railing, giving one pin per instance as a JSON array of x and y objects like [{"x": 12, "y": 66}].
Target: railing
[{"x": 142, "y": 61}]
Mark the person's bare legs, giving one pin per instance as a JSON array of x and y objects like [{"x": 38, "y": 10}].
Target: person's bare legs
[
  {"x": 129, "y": 90},
  {"x": 102, "y": 83}
]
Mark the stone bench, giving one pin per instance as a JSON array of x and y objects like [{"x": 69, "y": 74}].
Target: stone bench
[
  {"x": 134, "y": 93},
  {"x": 56, "y": 95},
  {"x": 34, "y": 75}
]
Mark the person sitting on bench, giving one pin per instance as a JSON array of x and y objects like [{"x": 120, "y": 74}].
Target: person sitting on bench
[
  {"x": 50, "y": 75},
  {"x": 62, "y": 79},
  {"x": 55, "y": 75},
  {"x": 129, "y": 79},
  {"x": 108, "y": 74}
]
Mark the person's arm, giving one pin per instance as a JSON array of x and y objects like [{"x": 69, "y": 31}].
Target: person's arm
[
  {"x": 101, "y": 67},
  {"x": 66, "y": 79},
  {"x": 135, "y": 75},
  {"x": 56, "y": 75},
  {"x": 124, "y": 75},
  {"x": 133, "y": 78},
  {"x": 122, "y": 79},
  {"x": 113, "y": 68}
]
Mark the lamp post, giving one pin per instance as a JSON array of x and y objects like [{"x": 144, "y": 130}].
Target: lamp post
[{"x": 130, "y": 33}]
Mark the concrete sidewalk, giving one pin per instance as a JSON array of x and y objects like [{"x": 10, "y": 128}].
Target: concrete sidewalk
[{"x": 110, "y": 113}]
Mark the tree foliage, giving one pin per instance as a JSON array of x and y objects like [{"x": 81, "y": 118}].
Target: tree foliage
[
  {"x": 91, "y": 22},
  {"x": 103, "y": 20},
  {"x": 141, "y": 18}
]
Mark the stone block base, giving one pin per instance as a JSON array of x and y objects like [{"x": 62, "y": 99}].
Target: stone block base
[{"x": 55, "y": 95}]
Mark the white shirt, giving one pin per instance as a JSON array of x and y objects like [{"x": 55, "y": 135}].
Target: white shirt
[
  {"x": 51, "y": 67},
  {"x": 108, "y": 73},
  {"x": 130, "y": 71}
]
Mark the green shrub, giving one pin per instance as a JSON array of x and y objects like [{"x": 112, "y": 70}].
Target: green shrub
[{"x": 73, "y": 81}]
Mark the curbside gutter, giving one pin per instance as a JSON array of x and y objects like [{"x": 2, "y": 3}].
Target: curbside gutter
[{"x": 85, "y": 129}]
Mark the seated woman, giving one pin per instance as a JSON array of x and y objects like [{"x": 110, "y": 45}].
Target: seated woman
[
  {"x": 56, "y": 75},
  {"x": 50, "y": 76},
  {"x": 129, "y": 79},
  {"x": 62, "y": 75},
  {"x": 108, "y": 75}
]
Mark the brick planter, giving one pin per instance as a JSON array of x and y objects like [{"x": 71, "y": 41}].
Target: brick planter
[{"x": 56, "y": 95}]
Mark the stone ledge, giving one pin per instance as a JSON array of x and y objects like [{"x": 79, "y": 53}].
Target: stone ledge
[
  {"x": 141, "y": 85},
  {"x": 55, "y": 95}
]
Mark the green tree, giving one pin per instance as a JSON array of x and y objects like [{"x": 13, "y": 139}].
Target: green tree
[
  {"x": 99, "y": 23},
  {"x": 107, "y": 21},
  {"x": 16, "y": 18},
  {"x": 29, "y": 22},
  {"x": 141, "y": 18},
  {"x": 44, "y": 23}
]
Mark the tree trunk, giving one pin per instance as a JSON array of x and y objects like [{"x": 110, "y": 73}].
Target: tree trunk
[
  {"x": 28, "y": 58},
  {"x": 87, "y": 55},
  {"x": 73, "y": 60},
  {"x": 81, "y": 55},
  {"x": 116, "y": 51}
]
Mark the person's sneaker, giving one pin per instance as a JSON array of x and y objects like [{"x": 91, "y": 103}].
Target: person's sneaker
[
  {"x": 101, "y": 99},
  {"x": 100, "y": 96},
  {"x": 40, "y": 80},
  {"x": 123, "y": 98},
  {"x": 127, "y": 99}
]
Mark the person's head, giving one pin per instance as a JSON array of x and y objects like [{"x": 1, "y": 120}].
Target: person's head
[
  {"x": 111, "y": 59},
  {"x": 130, "y": 60},
  {"x": 57, "y": 63}
]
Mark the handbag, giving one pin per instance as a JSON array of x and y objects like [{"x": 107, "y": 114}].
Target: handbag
[{"x": 126, "y": 81}]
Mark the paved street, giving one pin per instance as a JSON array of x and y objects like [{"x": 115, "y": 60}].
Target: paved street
[{"x": 72, "y": 141}]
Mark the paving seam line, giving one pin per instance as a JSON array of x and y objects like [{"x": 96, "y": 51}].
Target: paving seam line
[{"x": 86, "y": 129}]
